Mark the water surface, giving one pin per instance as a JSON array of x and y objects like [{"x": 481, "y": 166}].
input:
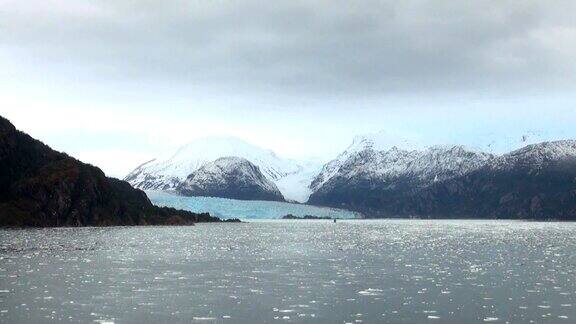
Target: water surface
[{"x": 292, "y": 271}]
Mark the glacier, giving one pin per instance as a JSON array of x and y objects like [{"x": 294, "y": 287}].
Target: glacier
[{"x": 244, "y": 209}]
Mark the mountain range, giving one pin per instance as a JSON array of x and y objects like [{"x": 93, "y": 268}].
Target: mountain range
[
  {"x": 537, "y": 181},
  {"x": 170, "y": 171},
  {"x": 382, "y": 180}
]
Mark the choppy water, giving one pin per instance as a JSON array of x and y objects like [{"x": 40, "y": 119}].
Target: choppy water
[
  {"x": 244, "y": 209},
  {"x": 292, "y": 271}
]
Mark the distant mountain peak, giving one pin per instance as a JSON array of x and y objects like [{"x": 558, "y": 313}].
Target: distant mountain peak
[{"x": 230, "y": 177}]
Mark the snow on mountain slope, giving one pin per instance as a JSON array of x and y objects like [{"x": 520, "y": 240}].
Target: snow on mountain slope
[
  {"x": 423, "y": 166},
  {"x": 438, "y": 163},
  {"x": 535, "y": 182},
  {"x": 498, "y": 144},
  {"x": 168, "y": 172},
  {"x": 230, "y": 177},
  {"x": 370, "y": 178},
  {"x": 535, "y": 156},
  {"x": 384, "y": 141},
  {"x": 359, "y": 143},
  {"x": 376, "y": 142}
]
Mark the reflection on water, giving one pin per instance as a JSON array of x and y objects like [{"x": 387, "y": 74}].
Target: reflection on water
[{"x": 292, "y": 271}]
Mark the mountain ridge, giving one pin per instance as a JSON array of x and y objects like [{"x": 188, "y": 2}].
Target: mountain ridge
[
  {"x": 370, "y": 172},
  {"x": 537, "y": 181}
]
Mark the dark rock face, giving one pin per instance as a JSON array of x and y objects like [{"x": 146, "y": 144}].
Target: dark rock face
[
  {"x": 536, "y": 182},
  {"x": 42, "y": 187},
  {"x": 230, "y": 177}
]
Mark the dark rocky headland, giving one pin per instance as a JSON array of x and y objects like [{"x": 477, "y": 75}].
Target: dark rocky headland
[{"x": 40, "y": 187}]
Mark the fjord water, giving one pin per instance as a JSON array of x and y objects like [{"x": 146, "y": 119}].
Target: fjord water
[
  {"x": 292, "y": 271},
  {"x": 244, "y": 209}
]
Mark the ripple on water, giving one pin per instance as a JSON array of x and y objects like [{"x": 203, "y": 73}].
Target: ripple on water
[{"x": 353, "y": 271}]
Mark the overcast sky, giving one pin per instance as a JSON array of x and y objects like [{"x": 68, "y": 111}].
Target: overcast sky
[{"x": 118, "y": 82}]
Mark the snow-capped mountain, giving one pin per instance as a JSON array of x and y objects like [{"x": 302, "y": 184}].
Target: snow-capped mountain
[
  {"x": 374, "y": 142},
  {"x": 536, "y": 156},
  {"x": 366, "y": 170},
  {"x": 372, "y": 156},
  {"x": 331, "y": 168},
  {"x": 230, "y": 177},
  {"x": 166, "y": 173},
  {"x": 537, "y": 182}
]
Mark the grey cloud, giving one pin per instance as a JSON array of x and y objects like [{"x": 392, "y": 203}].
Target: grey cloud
[{"x": 310, "y": 47}]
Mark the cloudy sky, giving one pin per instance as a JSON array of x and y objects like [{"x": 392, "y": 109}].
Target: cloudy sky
[{"x": 118, "y": 82}]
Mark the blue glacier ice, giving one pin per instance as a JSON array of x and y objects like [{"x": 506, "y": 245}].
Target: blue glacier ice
[{"x": 244, "y": 209}]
